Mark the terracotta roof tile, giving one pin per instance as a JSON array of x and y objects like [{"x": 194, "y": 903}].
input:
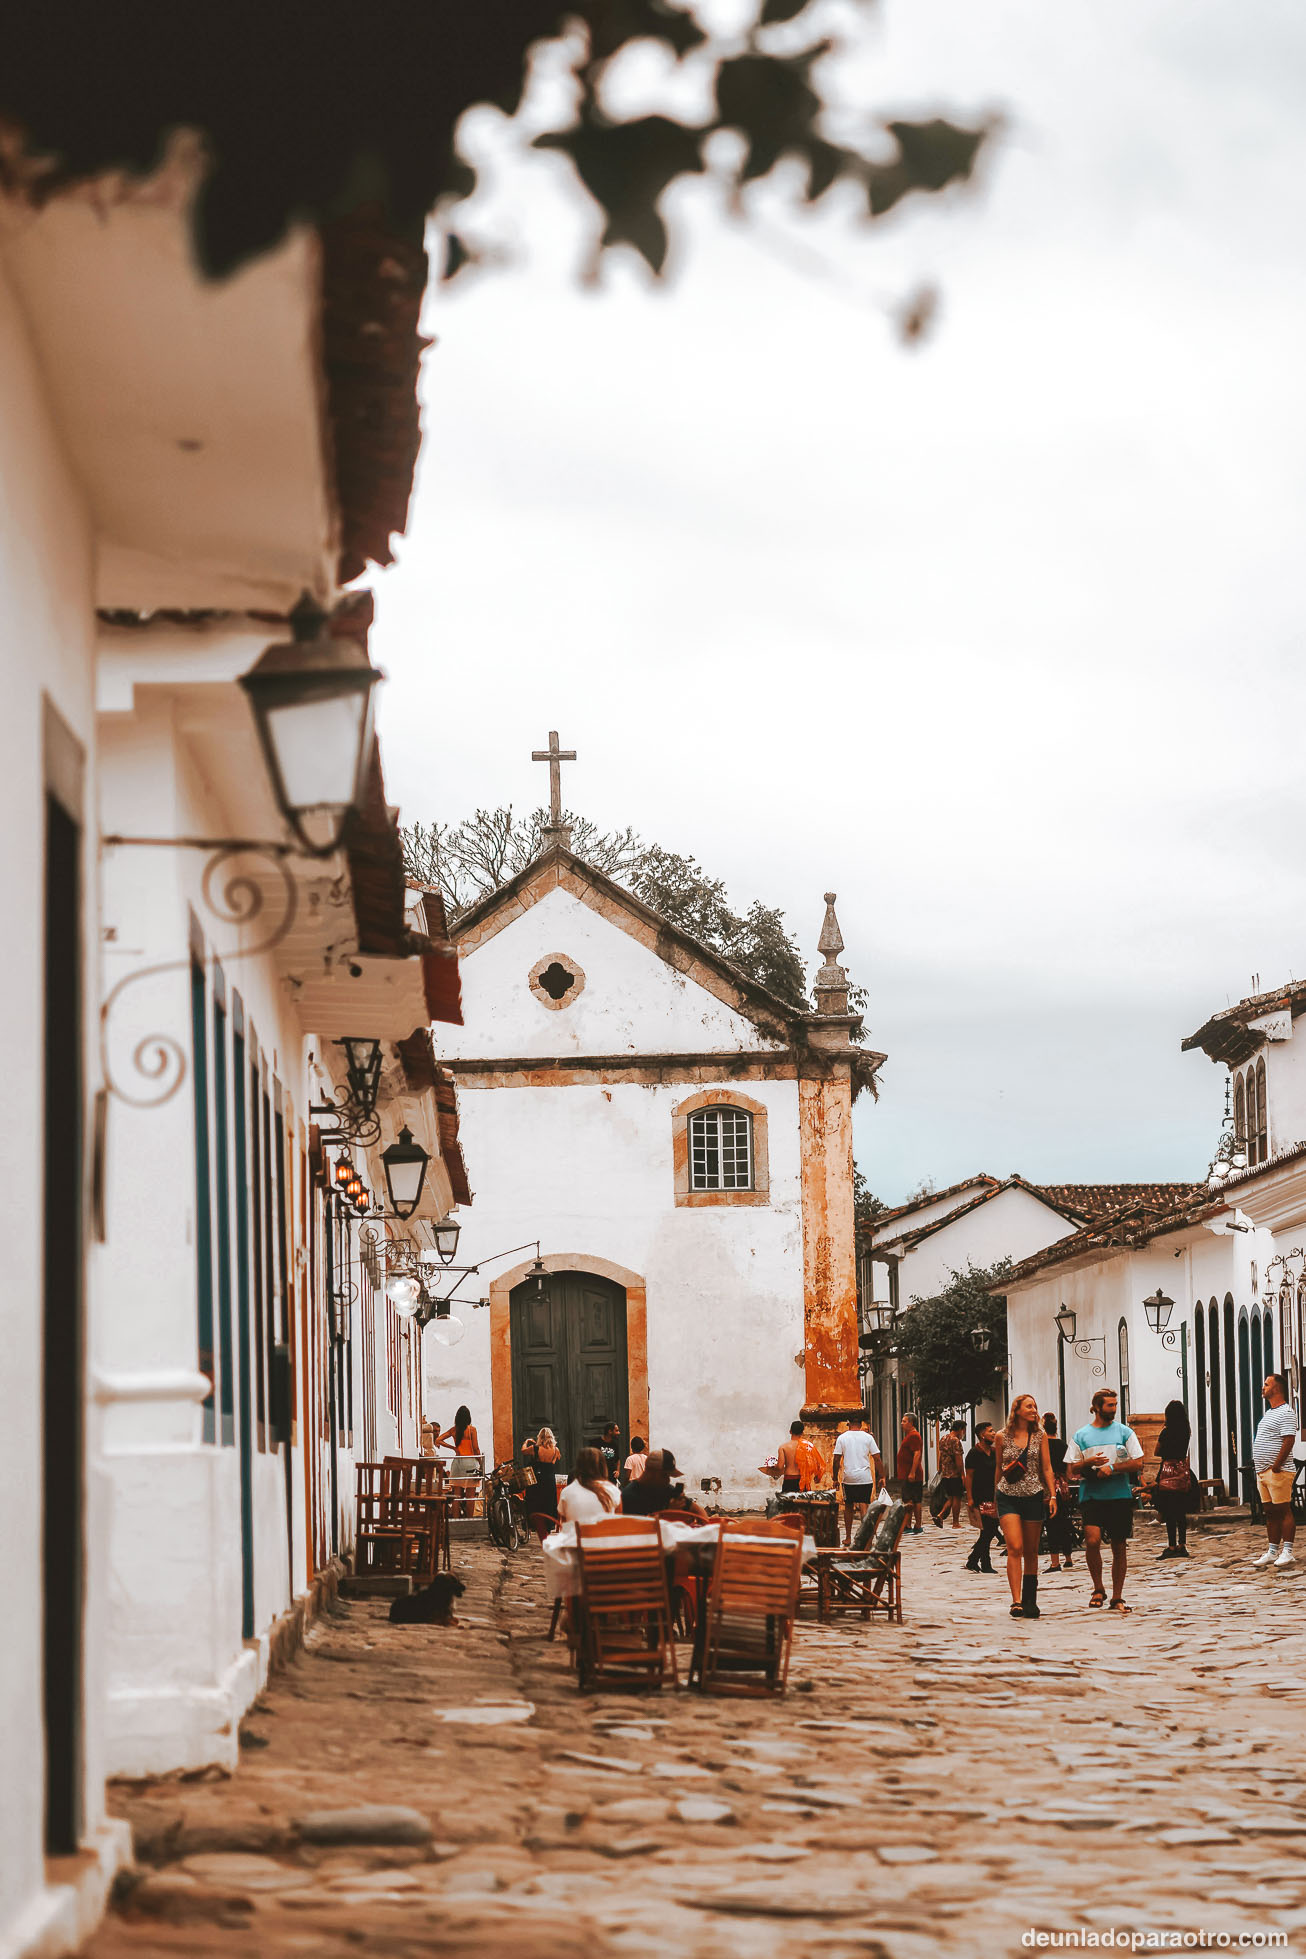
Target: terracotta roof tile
[{"x": 1227, "y": 1037}]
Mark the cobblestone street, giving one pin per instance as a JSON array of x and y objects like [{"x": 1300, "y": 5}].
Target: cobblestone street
[{"x": 943, "y": 1786}]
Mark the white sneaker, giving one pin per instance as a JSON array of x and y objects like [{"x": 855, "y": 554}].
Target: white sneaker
[
  {"x": 1267, "y": 1557},
  {"x": 1284, "y": 1559}
]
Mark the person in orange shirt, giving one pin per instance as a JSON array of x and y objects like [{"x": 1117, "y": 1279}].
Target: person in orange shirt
[{"x": 802, "y": 1466}]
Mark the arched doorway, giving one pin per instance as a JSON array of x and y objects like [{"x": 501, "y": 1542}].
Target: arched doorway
[
  {"x": 1213, "y": 1368},
  {"x": 1199, "y": 1368},
  {"x": 1231, "y": 1397},
  {"x": 1245, "y": 1388},
  {"x": 570, "y": 1367}
]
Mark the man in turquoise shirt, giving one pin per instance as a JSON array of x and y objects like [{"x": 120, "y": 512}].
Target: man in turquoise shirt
[{"x": 1104, "y": 1456}]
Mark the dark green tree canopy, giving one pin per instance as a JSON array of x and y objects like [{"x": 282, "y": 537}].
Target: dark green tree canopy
[
  {"x": 309, "y": 107},
  {"x": 468, "y": 860},
  {"x": 933, "y": 1339}
]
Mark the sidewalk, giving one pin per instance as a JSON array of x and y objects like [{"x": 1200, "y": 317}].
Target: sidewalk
[{"x": 934, "y": 1788}]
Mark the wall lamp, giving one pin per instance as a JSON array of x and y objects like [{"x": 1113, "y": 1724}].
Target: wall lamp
[
  {"x": 312, "y": 700},
  {"x": 405, "y": 1164},
  {"x": 1158, "y": 1309}
]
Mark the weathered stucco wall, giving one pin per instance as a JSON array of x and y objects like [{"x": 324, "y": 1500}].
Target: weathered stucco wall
[
  {"x": 632, "y": 1000},
  {"x": 1012, "y": 1225},
  {"x": 829, "y": 1245},
  {"x": 45, "y": 654},
  {"x": 589, "y": 1170}
]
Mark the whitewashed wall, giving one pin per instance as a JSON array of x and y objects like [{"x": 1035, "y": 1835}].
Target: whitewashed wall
[
  {"x": 1013, "y": 1225},
  {"x": 180, "y": 1674},
  {"x": 46, "y": 627},
  {"x": 587, "y": 1169},
  {"x": 633, "y": 1001},
  {"x": 1101, "y": 1294}
]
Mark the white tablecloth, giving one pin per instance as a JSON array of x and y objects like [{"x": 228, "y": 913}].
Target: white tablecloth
[{"x": 562, "y": 1561}]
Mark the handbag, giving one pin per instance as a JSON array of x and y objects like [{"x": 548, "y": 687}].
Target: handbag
[
  {"x": 1175, "y": 1477},
  {"x": 1015, "y": 1469}
]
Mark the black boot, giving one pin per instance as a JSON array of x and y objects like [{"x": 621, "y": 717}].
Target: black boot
[
  {"x": 1029, "y": 1598},
  {"x": 972, "y": 1562},
  {"x": 985, "y": 1565}
]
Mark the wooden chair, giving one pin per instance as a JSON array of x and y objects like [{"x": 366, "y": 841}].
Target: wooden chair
[
  {"x": 424, "y": 1515},
  {"x": 867, "y": 1578},
  {"x": 752, "y": 1601},
  {"x": 624, "y": 1621},
  {"x": 379, "y": 1525}
]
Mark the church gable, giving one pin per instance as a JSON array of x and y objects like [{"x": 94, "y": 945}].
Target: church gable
[{"x": 562, "y": 967}]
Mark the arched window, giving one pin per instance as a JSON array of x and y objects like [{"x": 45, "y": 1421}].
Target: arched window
[
  {"x": 1252, "y": 1125},
  {"x": 1262, "y": 1115},
  {"x": 1239, "y": 1111},
  {"x": 1122, "y": 1341},
  {"x": 720, "y": 1149}
]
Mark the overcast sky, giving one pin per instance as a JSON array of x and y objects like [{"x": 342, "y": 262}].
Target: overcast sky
[{"x": 1000, "y": 638}]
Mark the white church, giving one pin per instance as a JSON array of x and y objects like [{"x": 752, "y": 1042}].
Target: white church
[{"x": 678, "y": 1141}]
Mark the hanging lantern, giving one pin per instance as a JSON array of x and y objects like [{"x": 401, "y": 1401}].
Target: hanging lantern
[
  {"x": 405, "y": 1172},
  {"x": 446, "y": 1238},
  {"x": 312, "y": 698}
]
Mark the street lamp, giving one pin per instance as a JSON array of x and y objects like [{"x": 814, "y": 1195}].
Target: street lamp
[
  {"x": 405, "y": 1295},
  {"x": 1158, "y": 1309},
  {"x": 981, "y": 1339},
  {"x": 405, "y": 1172},
  {"x": 1065, "y": 1323},
  {"x": 446, "y": 1238},
  {"x": 539, "y": 1274},
  {"x": 312, "y": 699},
  {"x": 362, "y": 1070}
]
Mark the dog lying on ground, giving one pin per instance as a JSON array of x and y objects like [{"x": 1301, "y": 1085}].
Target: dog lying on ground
[{"x": 431, "y": 1607}]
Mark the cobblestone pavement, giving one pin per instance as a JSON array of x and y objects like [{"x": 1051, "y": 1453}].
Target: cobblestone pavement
[{"x": 939, "y": 1787}]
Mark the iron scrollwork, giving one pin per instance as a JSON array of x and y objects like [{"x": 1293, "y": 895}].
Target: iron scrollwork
[
  {"x": 159, "y": 1059},
  {"x": 1084, "y": 1350}
]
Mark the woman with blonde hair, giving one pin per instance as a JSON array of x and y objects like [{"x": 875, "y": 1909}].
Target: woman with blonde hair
[{"x": 1027, "y": 1498}]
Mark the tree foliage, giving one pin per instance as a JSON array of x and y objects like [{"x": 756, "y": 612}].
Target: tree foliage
[
  {"x": 933, "y": 1339},
  {"x": 467, "y": 861},
  {"x": 866, "y": 1205},
  {"x": 307, "y": 110}
]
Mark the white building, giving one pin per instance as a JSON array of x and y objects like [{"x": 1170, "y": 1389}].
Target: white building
[
  {"x": 679, "y": 1141},
  {"x": 913, "y": 1251},
  {"x": 178, "y": 461},
  {"x": 1229, "y": 1256}
]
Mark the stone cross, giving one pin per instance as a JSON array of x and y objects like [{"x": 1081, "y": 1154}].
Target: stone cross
[{"x": 555, "y": 830}]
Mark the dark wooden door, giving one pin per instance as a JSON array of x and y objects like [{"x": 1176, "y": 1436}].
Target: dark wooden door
[
  {"x": 64, "y": 1336},
  {"x": 569, "y": 1370}
]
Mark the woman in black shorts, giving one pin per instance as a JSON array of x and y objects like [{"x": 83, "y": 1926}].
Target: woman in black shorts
[{"x": 1027, "y": 1497}]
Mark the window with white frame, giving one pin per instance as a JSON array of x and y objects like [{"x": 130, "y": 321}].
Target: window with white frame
[{"x": 720, "y": 1150}]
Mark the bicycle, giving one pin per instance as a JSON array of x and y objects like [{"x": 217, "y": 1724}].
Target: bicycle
[{"x": 502, "y": 1504}]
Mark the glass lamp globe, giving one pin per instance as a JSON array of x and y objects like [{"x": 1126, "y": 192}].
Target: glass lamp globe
[
  {"x": 404, "y": 1295},
  {"x": 447, "y": 1332}
]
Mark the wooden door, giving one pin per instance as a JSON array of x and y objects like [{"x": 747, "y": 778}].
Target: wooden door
[{"x": 569, "y": 1367}]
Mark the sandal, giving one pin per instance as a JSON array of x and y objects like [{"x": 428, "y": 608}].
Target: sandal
[
  {"x": 1118, "y": 1605},
  {"x": 1098, "y": 1598},
  {"x": 1017, "y": 1611}
]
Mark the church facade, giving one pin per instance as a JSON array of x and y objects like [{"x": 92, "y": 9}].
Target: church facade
[{"x": 679, "y": 1142}]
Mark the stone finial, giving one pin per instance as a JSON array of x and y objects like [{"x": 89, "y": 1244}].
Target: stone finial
[{"x": 831, "y": 981}]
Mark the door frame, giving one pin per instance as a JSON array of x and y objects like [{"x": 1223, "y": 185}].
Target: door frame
[
  {"x": 63, "y": 1283},
  {"x": 501, "y": 1290}
]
